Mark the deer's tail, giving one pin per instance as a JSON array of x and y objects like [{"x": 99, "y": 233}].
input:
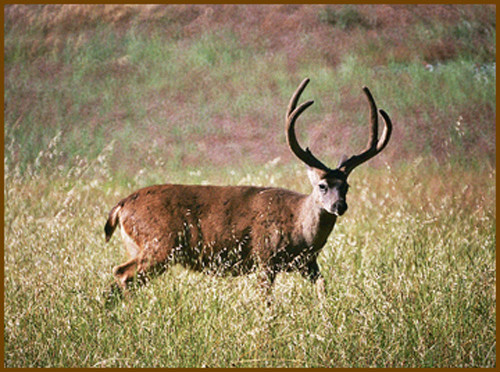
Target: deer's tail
[{"x": 112, "y": 221}]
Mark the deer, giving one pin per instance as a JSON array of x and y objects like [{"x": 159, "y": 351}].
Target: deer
[{"x": 236, "y": 230}]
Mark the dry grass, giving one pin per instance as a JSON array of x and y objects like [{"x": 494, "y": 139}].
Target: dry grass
[{"x": 410, "y": 270}]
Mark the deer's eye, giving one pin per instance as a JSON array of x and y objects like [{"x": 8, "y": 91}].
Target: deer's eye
[{"x": 322, "y": 187}]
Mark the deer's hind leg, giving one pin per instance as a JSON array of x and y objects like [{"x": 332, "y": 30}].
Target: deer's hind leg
[
  {"x": 143, "y": 262},
  {"x": 144, "y": 266},
  {"x": 125, "y": 272}
]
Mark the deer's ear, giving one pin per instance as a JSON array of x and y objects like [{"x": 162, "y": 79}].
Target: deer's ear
[
  {"x": 314, "y": 175},
  {"x": 343, "y": 158}
]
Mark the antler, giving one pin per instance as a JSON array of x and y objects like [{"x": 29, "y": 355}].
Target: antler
[
  {"x": 292, "y": 114},
  {"x": 374, "y": 145}
]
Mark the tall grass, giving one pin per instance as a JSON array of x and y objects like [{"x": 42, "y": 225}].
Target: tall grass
[
  {"x": 410, "y": 269},
  {"x": 196, "y": 94}
]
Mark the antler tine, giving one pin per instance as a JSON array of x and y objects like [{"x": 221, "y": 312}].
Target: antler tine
[
  {"x": 292, "y": 114},
  {"x": 373, "y": 118},
  {"x": 386, "y": 133},
  {"x": 295, "y": 97},
  {"x": 375, "y": 145}
]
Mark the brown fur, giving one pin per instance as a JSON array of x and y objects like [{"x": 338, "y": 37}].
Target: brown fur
[{"x": 218, "y": 229}]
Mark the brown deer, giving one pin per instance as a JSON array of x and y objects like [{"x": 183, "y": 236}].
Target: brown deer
[{"x": 235, "y": 229}]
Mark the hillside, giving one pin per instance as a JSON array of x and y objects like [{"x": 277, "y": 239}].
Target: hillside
[{"x": 195, "y": 83}]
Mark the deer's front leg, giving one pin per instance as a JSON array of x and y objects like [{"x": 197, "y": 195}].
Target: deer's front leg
[
  {"x": 311, "y": 272},
  {"x": 266, "y": 280}
]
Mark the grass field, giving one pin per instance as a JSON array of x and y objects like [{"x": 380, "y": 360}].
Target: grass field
[{"x": 100, "y": 101}]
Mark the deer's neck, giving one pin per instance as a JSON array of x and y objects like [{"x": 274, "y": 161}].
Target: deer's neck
[{"x": 315, "y": 223}]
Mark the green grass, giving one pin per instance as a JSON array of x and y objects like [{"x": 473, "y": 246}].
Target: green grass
[{"x": 95, "y": 110}]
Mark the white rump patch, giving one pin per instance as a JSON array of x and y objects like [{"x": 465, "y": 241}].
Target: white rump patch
[{"x": 132, "y": 247}]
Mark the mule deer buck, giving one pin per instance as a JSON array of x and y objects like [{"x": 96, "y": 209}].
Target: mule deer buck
[{"x": 235, "y": 229}]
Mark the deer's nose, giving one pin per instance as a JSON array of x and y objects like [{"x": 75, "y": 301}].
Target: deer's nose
[{"x": 339, "y": 207}]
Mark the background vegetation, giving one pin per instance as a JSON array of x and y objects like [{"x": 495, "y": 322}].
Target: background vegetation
[{"x": 103, "y": 99}]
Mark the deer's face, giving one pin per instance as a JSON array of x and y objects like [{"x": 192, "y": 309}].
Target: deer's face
[{"x": 330, "y": 190}]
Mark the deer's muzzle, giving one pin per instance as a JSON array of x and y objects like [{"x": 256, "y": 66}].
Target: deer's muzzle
[{"x": 339, "y": 207}]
